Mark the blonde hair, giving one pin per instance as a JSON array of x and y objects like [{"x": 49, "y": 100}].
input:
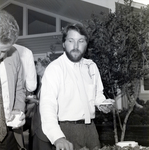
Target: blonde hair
[{"x": 9, "y": 29}]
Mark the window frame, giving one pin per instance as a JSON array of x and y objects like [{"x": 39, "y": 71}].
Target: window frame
[{"x": 25, "y": 19}]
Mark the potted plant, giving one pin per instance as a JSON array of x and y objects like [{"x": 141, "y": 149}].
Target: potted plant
[{"x": 119, "y": 46}]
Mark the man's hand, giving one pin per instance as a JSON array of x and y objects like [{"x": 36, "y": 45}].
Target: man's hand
[
  {"x": 17, "y": 119},
  {"x": 30, "y": 109},
  {"x": 30, "y": 105},
  {"x": 106, "y": 106},
  {"x": 21, "y": 117},
  {"x": 63, "y": 144}
]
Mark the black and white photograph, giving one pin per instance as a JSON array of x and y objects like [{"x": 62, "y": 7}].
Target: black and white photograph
[{"x": 74, "y": 74}]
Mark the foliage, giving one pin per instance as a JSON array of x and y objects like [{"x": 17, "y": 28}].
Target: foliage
[
  {"x": 139, "y": 116},
  {"x": 119, "y": 46},
  {"x": 124, "y": 148}
]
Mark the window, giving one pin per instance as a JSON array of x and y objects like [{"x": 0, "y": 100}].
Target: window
[
  {"x": 146, "y": 83},
  {"x": 64, "y": 23},
  {"x": 40, "y": 23},
  {"x": 35, "y": 22}
]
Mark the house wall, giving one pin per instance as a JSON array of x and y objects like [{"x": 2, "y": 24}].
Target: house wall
[
  {"x": 41, "y": 46},
  {"x": 144, "y": 94},
  {"x": 111, "y": 3}
]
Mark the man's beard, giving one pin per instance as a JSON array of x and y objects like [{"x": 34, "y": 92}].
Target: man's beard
[{"x": 74, "y": 55}]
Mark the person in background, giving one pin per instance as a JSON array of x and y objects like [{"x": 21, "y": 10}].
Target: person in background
[
  {"x": 41, "y": 65},
  {"x": 71, "y": 88},
  {"x": 11, "y": 76},
  {"x": 38, "y": 139}
]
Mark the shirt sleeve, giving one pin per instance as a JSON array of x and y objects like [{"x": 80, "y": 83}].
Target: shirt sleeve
[
  {"x": 48, "y": 103},
  {"x": 31, "y": 76},
  {"x": 100, "y": 97},
  {"x": 29, "y": 69}
]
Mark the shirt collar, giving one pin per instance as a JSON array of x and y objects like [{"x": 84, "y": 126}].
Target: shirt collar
[{"x": 1, "y": 60}]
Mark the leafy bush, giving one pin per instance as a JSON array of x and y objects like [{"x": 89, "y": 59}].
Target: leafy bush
[
  {"x": 119, "y": 46},
  {"x": 125, "y": 148},
  {"x": 139, "y": 116}
]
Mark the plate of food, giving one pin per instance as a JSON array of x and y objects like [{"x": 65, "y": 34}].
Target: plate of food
[{"x": 108, "y": 102}]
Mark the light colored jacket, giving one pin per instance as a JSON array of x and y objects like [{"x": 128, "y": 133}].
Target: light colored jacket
[{"x": 15, "y": 80}]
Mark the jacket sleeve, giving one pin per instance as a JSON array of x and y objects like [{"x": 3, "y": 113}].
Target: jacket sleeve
[{"x": 19, "y": 86}]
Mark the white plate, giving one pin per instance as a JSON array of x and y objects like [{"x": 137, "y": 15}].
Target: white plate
[
  {"x": 107, "y": 102},
  {"x": 127, "y": 143}
]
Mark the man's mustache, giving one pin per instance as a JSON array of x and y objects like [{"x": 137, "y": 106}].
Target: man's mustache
[{"x": 75, "y": 50}]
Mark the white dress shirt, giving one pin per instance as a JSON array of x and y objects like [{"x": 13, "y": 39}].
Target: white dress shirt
[
  {"x": 30, "y": 76},
  {"x": 6, "y": 98},
  {"x": 5, "y": 92},
  {"x": 60, "y": 96}
]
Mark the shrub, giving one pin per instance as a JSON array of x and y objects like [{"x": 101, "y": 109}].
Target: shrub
[
  {"x": 125, "y": 148},
  {"x": 139, "y": 116},
  {"x": 119, "y": 46}
]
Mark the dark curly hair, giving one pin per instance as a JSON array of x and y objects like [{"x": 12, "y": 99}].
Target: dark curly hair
[{"x": 77, "y": 27}]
